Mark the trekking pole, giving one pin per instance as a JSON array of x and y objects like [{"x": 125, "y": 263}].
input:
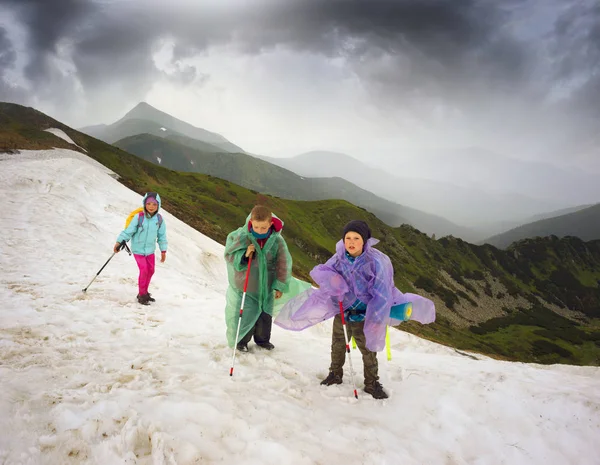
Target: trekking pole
[
  {"x": 237, "y": 334},
  {"x": 348, "y": 348},
  {"x": 123, "y": 244}
]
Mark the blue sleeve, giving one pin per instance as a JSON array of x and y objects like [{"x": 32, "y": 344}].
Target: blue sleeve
[
  {"x": 128, "y": 232},
  {"x": 162, "y": 236}
]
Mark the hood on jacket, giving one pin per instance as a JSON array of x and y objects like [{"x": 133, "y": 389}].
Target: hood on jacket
[
  {"x": 151, "y": 194},
  {"x": 277, "y": 223}
]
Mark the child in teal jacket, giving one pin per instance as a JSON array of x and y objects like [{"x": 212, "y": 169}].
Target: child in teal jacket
[{"x": 145, "y": 230}]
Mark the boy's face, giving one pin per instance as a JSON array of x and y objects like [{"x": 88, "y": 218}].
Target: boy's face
[
  {"x": 262, "y": 227},
  {"x": 354, "y": 243},
  {"x": 151, "y": 207}
]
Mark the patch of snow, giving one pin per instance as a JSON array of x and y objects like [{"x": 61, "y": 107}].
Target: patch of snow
[
  {"x": 163, "y": 129},
  {"x": 192, "y": 162},
  {"x": 97, "y": 378},
  {"x": 60, "y": 133},
  {"x": 54, "y": 154},
  {"x": 159, "y": 160}
]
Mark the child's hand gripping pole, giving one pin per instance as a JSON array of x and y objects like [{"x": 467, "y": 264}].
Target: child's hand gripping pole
[
  {"x": 237, "y": 334},
  {"x": 348, "y": 347}
]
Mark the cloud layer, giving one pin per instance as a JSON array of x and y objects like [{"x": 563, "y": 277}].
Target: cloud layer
[{"x": 518, "y": 76}]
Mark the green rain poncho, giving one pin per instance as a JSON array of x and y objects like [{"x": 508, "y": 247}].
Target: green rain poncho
[{"x": 271, "y": 270}]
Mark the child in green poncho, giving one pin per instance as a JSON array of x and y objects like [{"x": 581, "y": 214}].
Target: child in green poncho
[{"x": 270, "y": 275}]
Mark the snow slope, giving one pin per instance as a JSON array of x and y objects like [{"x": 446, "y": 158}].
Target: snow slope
[
  {"x": 98, "y": 379},
  {"x": 60, "y": 133}
]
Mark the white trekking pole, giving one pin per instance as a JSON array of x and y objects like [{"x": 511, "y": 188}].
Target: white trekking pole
[{"x": 237, "y": 334}]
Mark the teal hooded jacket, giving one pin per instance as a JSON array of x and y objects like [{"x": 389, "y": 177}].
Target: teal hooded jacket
[{"x": 144, "y": 238}]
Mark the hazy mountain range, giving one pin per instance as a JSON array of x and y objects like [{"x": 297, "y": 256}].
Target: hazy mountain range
[
  {"x": 583, "y": 223},
  {"x": 253, "y": 173},
  {"x": 489, "y": 193},
  {"x": 485, "y": 170},
  {"x": 483, "y": 211}
]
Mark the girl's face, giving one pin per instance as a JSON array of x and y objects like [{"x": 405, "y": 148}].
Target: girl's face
[
  {"x": 151, "y": 207},
  {"x": 354, "y": 243}
]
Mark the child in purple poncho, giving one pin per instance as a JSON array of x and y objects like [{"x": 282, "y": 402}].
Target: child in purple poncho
[{"x": 362, "y": 278}]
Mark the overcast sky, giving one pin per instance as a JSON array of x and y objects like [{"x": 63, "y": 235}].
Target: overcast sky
[{"x": 519, "y": 77}]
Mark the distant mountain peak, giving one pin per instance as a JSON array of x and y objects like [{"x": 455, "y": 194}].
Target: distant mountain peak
[
  {"x": 144, "y": 110},
  {"x": 144, "y": 118}
]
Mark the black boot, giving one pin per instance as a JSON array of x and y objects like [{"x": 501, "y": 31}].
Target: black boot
[
  {"x": 242, "y": 346},
  {"x": 150, "y": 298},
  {"x": 143, "y": 299},
  {"x": 332, "y": 378},
  {"x": 376, "y": 390},
  {"x": 265, "y": 345}
]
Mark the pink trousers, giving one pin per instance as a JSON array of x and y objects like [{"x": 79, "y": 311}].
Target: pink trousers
[{"x": 146, "y": 264}]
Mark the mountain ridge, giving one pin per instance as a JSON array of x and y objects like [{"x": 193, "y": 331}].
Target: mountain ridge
[
  {"x": 475, "y": 209},
  {"x": 583, "y": 223},
  {"x": 255, "y": 173}
]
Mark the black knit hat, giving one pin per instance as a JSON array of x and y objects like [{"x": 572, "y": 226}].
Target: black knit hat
[{"x": 360, "y": 227}]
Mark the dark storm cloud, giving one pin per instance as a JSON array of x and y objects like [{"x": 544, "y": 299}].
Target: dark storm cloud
[
  {"x": 109, "y": 42},
  {"x": 439, "y": 28},
  {"x": 452, "y": 39},
  {"x": 438, "y": 43},
  {"x": 447, "y": 42},
  {"x": 418, "y": 55},
  {"x": 119, "y": 49},
  {"x": 48, "y": 22},
  {"x": 8, "y": 56},
  {"x": 8, "y": 92},
  {"x": 577, "y": 37},
  {"x": 577, "y": 52}
]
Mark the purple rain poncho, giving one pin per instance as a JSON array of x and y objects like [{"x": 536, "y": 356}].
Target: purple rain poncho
[{"x": 370, "y": 279}]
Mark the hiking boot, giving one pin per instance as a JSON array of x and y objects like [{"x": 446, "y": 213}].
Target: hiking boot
[
  {"x": 143, "y": 299},
  {"x": 332, "y": 378},
  {"x": 242, "y": 346},
  {"x": 265, "y": 345},
  {"x": 376, "y": 390},
  {"x": 148, "y": 297}
]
